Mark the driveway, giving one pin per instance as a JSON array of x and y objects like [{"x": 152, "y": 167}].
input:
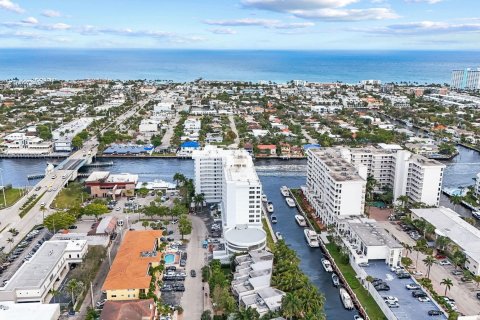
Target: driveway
[{"x": 192, "y": 299}]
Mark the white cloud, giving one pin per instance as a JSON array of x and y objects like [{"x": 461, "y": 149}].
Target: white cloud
[
  {"x": 30, "y": 20},
  {"x": 288, "y": 5},
  {"x": 10, "y": 6},
  {"x": 51, "y": 13},
  {"x": 424, "y": 1},
  {"x": 423, "y": 27},
  {"x": 328, "y": 10},
  {"x": 266, "y": 23},
  {"x": 223, "y": 31},
  {"x": 347, "y": 14}
]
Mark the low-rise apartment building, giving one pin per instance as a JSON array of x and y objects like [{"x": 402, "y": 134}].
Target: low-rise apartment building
[
  {"x": 33, "y": 281},
  {"x": 103, "y": 184},
  {"x": 450, "y": 224},
  {"x": 129, "y": 277}
]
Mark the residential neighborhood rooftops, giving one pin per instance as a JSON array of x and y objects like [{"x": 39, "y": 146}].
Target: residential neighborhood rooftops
[{"x": 132, "y": 310}]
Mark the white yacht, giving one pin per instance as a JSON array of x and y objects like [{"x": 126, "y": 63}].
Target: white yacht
[
  {"x": 346, "y": 299},
  {"x": 335, "y": 280},
  {"x": 269, "y": 207},
  {"x": 300, "y": 220},
  {"x": 264, "y": 197},
  {"x": 290, "y": 202},
  {"x": 312, "y": 238},
  {"x": 279, "y": 235},
  {"x": 284, "y": 190},
  {"x": 327, "y": 265}
]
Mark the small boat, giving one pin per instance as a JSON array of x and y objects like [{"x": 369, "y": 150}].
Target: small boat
[
  {"x": 476, "y": 214},
  {"x": 278, "y": 235},
  {"x": 327, "y": 265},
  {"x": 269, "y": 207},
  {"x": 264, "y": 197},
  {"x": 335, "y": 280},
  {"x": 300, "y": 220},
  {"x": 290, "y": 202},
  {"x": 284, "y": 190},
  {"x": 311, "y": 237},
  {"x": 273, "y": 218},
  {"x": 346, "y": 299}
]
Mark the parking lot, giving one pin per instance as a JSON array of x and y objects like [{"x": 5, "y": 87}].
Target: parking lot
[
  {"x": 409, "y": 307},
  {"x": 463, "y": 293}
]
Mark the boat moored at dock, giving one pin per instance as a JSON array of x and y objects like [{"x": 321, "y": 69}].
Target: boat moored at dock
[
  {"x": 312, "y": 238},
  {"x": 269, "y": 207},
  {"x": 327, "y": 265},
  {"x": 335, "y": 280},
  {"x": 300, "y": 220},
  {"x": 290, "y": 202},
  {"x": 284, "y": 190},
  {"x": 346, "y": 299}
]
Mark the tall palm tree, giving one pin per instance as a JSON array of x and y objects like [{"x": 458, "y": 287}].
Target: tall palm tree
[
  {"x": 54, "y": 292},
  {"x": 403, "y": 201},
  {"x": 429, "y": 261},
  {"x": 179, "y": 178},
  {"x": 11, "y": 241},
  {"x": 73, "y": 286},
  {"x": 13, "y": 231},
  {"x": 198, "y": 199},
  {"x": 455, "y": 200},
  {"x": 43, "y": 209},
  {"x": 447, "y": 283},
  {"x": 408, "y": 249}
]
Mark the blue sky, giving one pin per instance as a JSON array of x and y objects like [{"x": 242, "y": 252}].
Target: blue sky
[{"x": 242, "y": 24}]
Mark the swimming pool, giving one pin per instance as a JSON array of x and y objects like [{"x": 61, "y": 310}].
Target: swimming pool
[{"x": 169, "y": 258}]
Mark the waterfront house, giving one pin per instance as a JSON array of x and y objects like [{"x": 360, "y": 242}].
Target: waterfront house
[
  {"x": 266, "y": 150},
  {"x": 102, "y": 184}
]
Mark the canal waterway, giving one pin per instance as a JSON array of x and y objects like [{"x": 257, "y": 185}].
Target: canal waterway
[{"x": 273, "y": 174}]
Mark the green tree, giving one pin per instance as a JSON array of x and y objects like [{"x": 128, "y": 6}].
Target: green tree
[
  {"x": 143, "y": 192},
  {"x": 429, "y": 261},
  {"x": 247, "y": 314},
  {"x": 206, "y": 315},
  {"x": 11, "y": 241},
  {"x": 198, "y": 199},
  {"x": 408, "y": 249},
  {"x": 59, "y": 220},
  {"x": 407, "y": 262},
  {"x": 178, "y": 210},
  {"x": 184, "y": 225},
  {"x": 74, "y": 287},
  {"x": 92, "y": 314},
  {"x": 291, "y": 306},
  {"x": 456, "y": 200},
  {"x": 54, "y": 293},
  {"x": 447, "y": 283},
  {"x": 94, "y": 209},
  {"x": 77, "y": 142},
  {"x": 145, "y": 224}
]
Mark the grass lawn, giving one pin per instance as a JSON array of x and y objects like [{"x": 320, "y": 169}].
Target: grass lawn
[
  {"x": 12, "y": 195},
  {"x": 374, "y": 312},
  {"x": 270, "y": 242},
  {"x": 70, "y": 196}
]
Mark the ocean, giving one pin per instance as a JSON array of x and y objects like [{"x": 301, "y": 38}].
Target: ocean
[{"x": 277, "y": 66}]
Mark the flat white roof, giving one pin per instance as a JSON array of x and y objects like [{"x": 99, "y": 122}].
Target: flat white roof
[
  {"x": 448, "y": 223},
  {"x": 245, "y": 236},
  {"x": 28, "y": 311}
]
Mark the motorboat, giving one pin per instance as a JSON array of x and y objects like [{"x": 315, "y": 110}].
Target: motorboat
[
  {"x": 264, "y": 197},
  {"x": 335, "y": 280},
  {"x": 300, "y": 220},
  {"x": 311, "y": 237},
  {"x": 278, "y": 235},
  {"x": 273, "y": 218},
  {"x": 290, "y": 202},
  {"x": 269, "y": 207},
  {"x": 284, "y": 190},
  {"x": 346, "y": 299},
  {"x": 327, "y": 265}
]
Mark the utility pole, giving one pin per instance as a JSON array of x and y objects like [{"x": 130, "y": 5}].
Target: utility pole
[{"x": 91, "y": 293}]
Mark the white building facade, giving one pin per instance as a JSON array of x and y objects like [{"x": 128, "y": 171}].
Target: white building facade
[{"x": 468, "y": 79}]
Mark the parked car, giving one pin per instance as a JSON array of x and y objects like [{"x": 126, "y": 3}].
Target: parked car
[
  {"x": 403, "y": 275},
  {"x": 445, "y": 262},
  {"x": 100, "y": 303},
  {"x": 390, "y": 298},
  {"x": 363, "y": 264},
  {"x": 434, "y": 312},
  {"x": 424, "y": 299},
  {"x": 478, "y": 295},
  {"x": 392, "y": 304},
  {"x": 457, "y": 272},
  {"x": 193, "y": 273},
  {"x": 382, "y": 287},
  {"x": 183, "y": 263},
  {"x": 171, "y": 268},
  {"x": 412, "y": 286},
  {"x": 466, "y": 279},
  {"x": 72, "y": 227},
  {"x": 418, "y": 294}
]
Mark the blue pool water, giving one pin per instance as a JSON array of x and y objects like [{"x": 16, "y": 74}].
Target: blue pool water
[{"x": 169, "y": 258}]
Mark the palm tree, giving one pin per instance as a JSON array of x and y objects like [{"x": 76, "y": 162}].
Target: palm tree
[
  {"x": 290, "y": 306},
  {"x": 73, "y": 286},
  {"x": 408, "y": 249},
  {"x": 179, "y": 178},
  {"x": 429, "y": 261},
  {"x": 404, "y": 201},
  {"x": 11, "y": 241},
  {"x": 455, "y": 200},
  {"x": 54, "y": 292},
  {"x": 43, "y": 209},
  {"x": 198, "y": 199},
  {"x": 13, "y": 231},
  {"x": 477, "y": 280},
  {"x": 370, "y": 187},
  {"x": 447, "y": 283},
  {"x": 247, "y": 314}
]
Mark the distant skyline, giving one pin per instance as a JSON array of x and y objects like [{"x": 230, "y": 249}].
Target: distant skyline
[{"x": 242, "y": 24}]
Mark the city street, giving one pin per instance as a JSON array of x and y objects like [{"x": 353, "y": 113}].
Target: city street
[{"x": 192, "y": 299}]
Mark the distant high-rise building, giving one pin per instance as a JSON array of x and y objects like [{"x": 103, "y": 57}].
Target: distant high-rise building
[{"x": 468, "y": 79}]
